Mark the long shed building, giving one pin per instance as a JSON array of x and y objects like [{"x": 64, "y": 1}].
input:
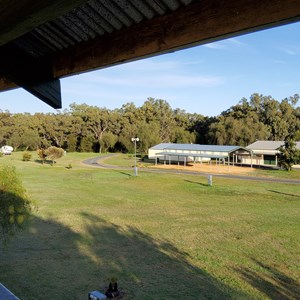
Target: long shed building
[{"x": 170, "y": 152}]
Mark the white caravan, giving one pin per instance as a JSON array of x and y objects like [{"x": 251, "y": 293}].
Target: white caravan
[{"x": 7, "y": 150}]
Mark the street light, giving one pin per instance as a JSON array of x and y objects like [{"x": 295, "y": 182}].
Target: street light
[{"x": 135, "y": 167}]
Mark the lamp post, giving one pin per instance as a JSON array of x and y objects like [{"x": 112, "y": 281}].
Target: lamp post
[{"x": 135, "y": 170}]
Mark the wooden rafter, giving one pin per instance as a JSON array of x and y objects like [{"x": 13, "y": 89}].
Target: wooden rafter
[
  {"x": 201, "y": 22},
  {"x": 34, "y": 75}
]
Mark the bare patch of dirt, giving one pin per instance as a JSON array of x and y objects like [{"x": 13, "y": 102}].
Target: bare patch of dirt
[{"x": 207, "y": 168}]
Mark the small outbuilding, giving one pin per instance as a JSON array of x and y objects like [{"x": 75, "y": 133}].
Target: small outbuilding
[{"x": 265, "y": 153}]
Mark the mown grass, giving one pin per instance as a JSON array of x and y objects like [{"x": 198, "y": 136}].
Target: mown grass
[
  {"x": 126, "y": 160},
  {"x": 164, "y": 236},
  {"x": 272, "y": 173}
]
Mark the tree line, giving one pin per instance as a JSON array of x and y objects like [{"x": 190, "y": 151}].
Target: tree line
[{"x": 86, "y": 128}]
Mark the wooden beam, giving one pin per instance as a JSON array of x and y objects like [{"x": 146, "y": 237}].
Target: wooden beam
[
  {"x": 18, "y": 17},
  {"x": 6, "y": 84},
  {"x": 48, "y": 91},
  {"x": 34, "y": 75},
  {"x": 201, "y": 22}
]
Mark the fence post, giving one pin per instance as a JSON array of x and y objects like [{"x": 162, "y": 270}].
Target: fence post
[{"x": 209, "y": 180}]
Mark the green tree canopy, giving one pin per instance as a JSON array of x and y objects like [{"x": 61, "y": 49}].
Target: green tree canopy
[
  {"x": 289, "y": 154},
  {"x": 88, "y": 128}
]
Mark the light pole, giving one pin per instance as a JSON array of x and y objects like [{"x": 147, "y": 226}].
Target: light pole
[{"x": 135, "y": 170}]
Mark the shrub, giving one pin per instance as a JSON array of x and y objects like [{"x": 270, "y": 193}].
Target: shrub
[
  {"x": 54, "y": 153},
  {"x": 42, "y": 154},
  {"x": 26, "y": 156},
  {"x": 15, "y": 207}
]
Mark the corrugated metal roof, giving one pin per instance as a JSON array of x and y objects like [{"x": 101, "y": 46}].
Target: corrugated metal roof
[
  {"x": 93, "y": 19},
  {"x": 191, "y": 155},
  {"x": 265, "y": 145},
  {"x": 268, "y": 145},
  {"x": 161, "y": 146},
  {"x": 196, "y": 147}
]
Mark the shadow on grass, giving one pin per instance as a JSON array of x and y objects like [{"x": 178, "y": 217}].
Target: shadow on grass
[
  {"x": 59, "y": 262},
  {"x": 285, "y": 194},
  {"x": 271, "y": 282},
  {"x": 65, "y": 261},
  {"x": 45, "y": 162},
  {"x": 125, "y": 173},
  {"x": 196, "y": 182}
]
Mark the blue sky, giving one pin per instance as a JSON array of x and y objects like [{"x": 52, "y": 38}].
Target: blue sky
[{"x": 205, "y": 79}]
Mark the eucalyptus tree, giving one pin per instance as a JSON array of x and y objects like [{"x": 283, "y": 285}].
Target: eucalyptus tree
[
  {"x": 23, "y": 133},
  {"x": 148, "y": 134},
  {"x": 291, "y": 114},
  {"x": 129, "y": 122},
  {"x": 55, "y": 129},
  {"x": 200, "y": 125},
  {"x": 109, "y": 141},
  {"x": 160, "y": 111},
  {"x": 289, "y": 154},
  {"x": 97, "y": 120},
  {"x": 5, "y": 126},
  {"x": 240, "y": 125}
]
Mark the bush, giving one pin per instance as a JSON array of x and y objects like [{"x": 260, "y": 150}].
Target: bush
[
  {"x": 15, "y": 207},
  {"x": 26, "y": 156},
  {"x": 1, "y": 154},
  {"x": 54, "y": 153},
  {"x": 42, "y": 154}
]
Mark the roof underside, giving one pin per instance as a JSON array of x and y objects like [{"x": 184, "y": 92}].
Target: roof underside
[
  {"x": 91, "y": 20},
  {"x": 57, "y": 38}
]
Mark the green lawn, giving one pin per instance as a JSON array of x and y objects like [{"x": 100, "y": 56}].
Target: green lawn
[
  {"x": 164, "y": 236},
  {"x": 126, "y": 160}
]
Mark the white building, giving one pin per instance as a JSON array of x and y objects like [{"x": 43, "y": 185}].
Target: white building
[
  {"x": 265, "y": 153},
  {"x": 169, "y": 152}
]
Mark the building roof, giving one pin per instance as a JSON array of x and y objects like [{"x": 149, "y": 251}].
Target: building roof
[
  {"x": 268, "y": 145},
  {"x": 161, "y": 146},
  {"x": 58, "y": 38},
  {"x": 192, "y": 155},
  {"x": 195, "y": 147}
]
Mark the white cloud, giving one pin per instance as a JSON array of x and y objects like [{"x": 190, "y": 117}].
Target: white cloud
[
  {"x": 291, "y": 50},
  {"x": 235, "y": 41},
  {"x": 154, "y": 81},
  {"x": 148, "y": 65},
  {"x": 215, "y": 45},
  {"x": 225, "y": 44},
  {"x": 156, "y": 64}
]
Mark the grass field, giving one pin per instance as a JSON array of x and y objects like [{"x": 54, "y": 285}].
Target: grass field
[
  {"x": 126, "y": 160},
  {"x": 163, "y": 236}
]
